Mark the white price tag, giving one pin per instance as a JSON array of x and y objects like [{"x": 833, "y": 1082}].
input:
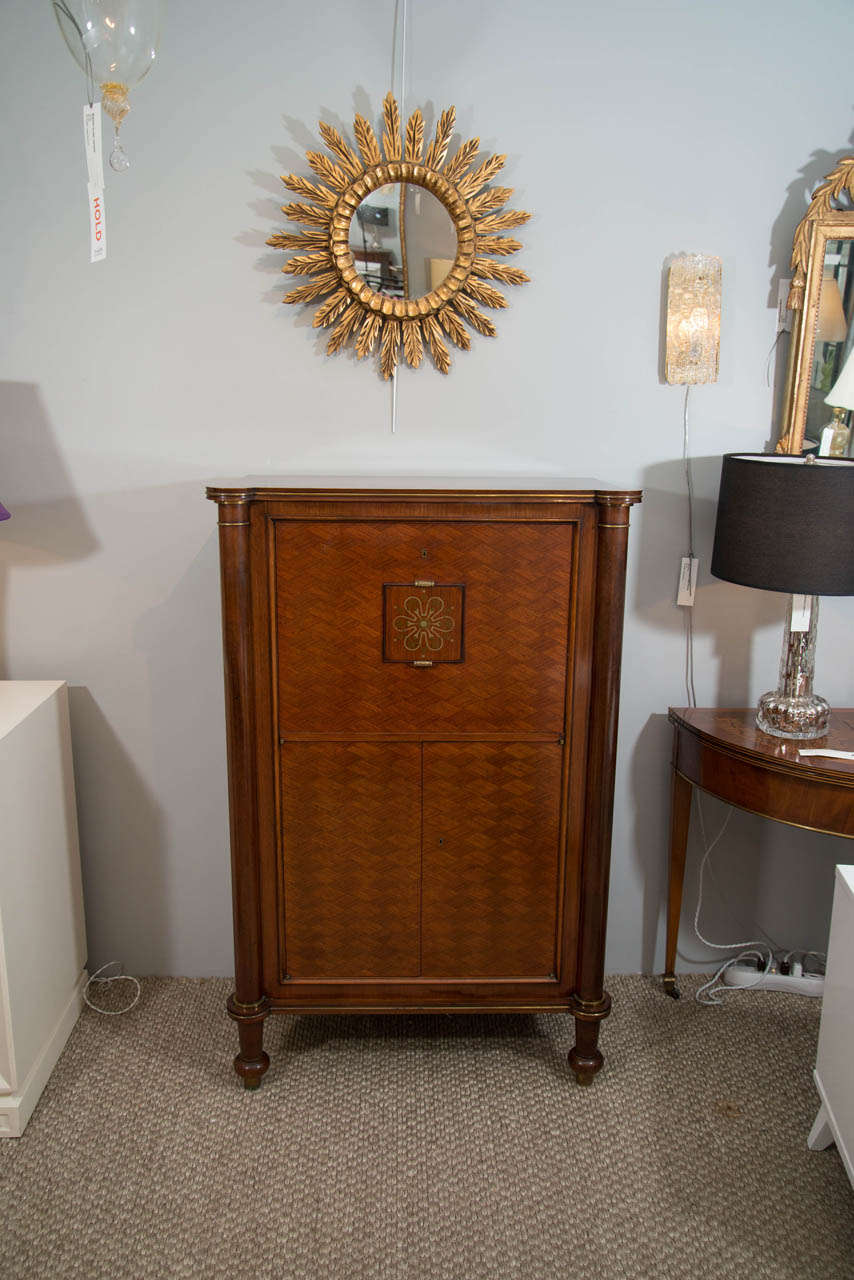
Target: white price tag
[
  {"x": 801, "y": 610},
  {"x": 824, "y": 751},
  {"x": 92, "y": 144},
  {"x": 97, "y": 225},
  {"x": 687, "y": 581}
]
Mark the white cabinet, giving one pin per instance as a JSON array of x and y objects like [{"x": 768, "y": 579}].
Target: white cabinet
[
  {"x": 834, "y": 1068},
  {"x": 42, "y": 935}
]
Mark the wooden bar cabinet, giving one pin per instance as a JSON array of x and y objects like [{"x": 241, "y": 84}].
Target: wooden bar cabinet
[{"x": 421, "y": 707}]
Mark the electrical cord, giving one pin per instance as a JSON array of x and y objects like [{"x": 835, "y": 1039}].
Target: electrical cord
[
  {"x": 61, "y": 7},
  {"x": 398, "y": 64},
  {"x": 116, "y": 977},
  {"x": 774, "y": 346},
  {"x": 690, "y": 691},
  {"x": 708, "y": 993},
  {"x": 761, "y": 951}
]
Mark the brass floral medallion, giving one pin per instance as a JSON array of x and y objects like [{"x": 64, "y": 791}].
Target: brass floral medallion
[
  {"x": 387, "y": 310},
  {"x": 423, "y": 623}
]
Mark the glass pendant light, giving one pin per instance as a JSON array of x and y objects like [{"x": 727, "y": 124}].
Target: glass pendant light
[{"x": 114, "y": 42}]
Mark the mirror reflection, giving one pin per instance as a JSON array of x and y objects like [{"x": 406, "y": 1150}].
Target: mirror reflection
[
  {"x": 403, "y": 240},
  {"x": 831, "y": 390}
]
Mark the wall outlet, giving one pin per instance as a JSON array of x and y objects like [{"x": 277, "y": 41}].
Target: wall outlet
[{"x": 784, "y": 315}]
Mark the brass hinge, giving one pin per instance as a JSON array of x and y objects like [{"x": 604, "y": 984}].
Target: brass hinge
[{"x": 561, "y": 742}]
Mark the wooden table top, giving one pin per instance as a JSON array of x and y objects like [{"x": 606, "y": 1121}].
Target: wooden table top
[{"x": 734, "y": 730}]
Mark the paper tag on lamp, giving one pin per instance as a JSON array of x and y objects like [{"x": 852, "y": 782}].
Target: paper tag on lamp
[
  {"x": 693, "y": 319},
  {"x": 97, "y": 224},
  {"x": 95, "y": 188}
]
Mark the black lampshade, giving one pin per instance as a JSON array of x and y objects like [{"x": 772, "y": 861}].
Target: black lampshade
[{"x": 786, "y": 524}]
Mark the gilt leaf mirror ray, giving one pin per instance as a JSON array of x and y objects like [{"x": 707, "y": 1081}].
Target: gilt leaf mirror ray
[
  {"x": 381, "y": 280},
  {"x": 821, "y": 298}
]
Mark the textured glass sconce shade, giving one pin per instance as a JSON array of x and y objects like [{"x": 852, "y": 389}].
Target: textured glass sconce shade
[
  {"x": 783, "y": 525},
  {"x": 693, "y": 319},
  {"x": 4, "y": 514}
]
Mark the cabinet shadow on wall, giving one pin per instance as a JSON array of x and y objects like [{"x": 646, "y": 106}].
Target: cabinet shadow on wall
[
  {"x": 48, "y": 525},
  {"x": 121, "y": 840}
]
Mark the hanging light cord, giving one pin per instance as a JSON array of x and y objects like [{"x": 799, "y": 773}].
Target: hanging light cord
[
  {"x": 62, "y": 7},
  {"x": 690, "y": 692},
  {"x": 398, "y": 69}
]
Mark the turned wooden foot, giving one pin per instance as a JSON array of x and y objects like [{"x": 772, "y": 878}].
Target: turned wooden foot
[
  {"x": 585, "y": 1066},
  {"x": 584, "y": 1056},
  {"x": 251, "y": 1062}
]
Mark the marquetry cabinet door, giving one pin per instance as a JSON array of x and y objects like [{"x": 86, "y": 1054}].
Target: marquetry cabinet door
[
  {"x": 351, "y": 860},
  {"x": 491, "y": 859},
  {"x": 403, "y": 860}
]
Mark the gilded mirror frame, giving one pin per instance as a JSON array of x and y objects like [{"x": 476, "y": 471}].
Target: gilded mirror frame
[
  {"x": 821, "y": 223},
  {"x": 476, "y": 211}
]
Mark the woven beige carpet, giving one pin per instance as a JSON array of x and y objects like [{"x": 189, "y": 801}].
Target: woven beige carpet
[{"x": 431, "y": 1147}]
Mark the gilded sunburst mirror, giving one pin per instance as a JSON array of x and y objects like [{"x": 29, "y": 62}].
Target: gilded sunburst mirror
[{"x": 400, "y": 242}]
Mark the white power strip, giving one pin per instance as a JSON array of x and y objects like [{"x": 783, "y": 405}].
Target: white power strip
[{"x": 803, "y": 984}]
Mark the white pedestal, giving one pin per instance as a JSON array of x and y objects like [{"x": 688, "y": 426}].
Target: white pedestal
[
  {"x": 834, "y": 1068},
  {"x": 42, "y": 934}
]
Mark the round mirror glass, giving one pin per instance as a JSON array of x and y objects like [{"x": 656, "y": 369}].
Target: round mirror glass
[{"x": 403, "y": 240}]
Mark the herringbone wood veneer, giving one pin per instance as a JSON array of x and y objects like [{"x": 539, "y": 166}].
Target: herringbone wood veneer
[
  {"x": 329, "y": 599},
  {"x": 351, "y": 825},
  {"x": 491, "y": 825}
]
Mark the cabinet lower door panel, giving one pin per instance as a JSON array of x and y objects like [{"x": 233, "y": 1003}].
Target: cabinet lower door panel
[
  {"x": 491, "y": 859},
  {"x": 351, "y": 835}
]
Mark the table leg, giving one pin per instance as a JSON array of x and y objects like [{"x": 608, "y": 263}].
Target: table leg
[
  {"x": 821, "y": 1134},
  {"x": 680, "y": 814}
]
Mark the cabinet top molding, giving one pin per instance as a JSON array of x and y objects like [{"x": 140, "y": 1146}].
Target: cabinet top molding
[{"x": 501, "y": 488}]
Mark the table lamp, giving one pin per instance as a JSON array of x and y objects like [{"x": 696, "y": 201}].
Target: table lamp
[
  {"x": 4, "y": 514},
  {"x": 784, "y": 524}
]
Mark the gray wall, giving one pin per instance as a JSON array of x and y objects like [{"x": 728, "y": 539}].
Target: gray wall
[{"x": 633, "y": 131}]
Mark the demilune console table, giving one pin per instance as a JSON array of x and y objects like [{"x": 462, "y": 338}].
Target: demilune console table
[{"x": 721, "y": 751}]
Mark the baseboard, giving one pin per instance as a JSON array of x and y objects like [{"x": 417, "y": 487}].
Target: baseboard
[{"x": 16, "y": 1108}]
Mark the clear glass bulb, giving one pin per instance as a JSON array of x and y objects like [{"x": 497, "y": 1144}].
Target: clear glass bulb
[{"x": 114, "y": 42}]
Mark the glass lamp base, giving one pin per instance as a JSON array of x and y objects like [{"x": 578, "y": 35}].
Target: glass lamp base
[{"x": 793, "y": 717}]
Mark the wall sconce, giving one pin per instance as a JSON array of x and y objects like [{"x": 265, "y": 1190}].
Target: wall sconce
[{"x": 693, "y": 319}]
